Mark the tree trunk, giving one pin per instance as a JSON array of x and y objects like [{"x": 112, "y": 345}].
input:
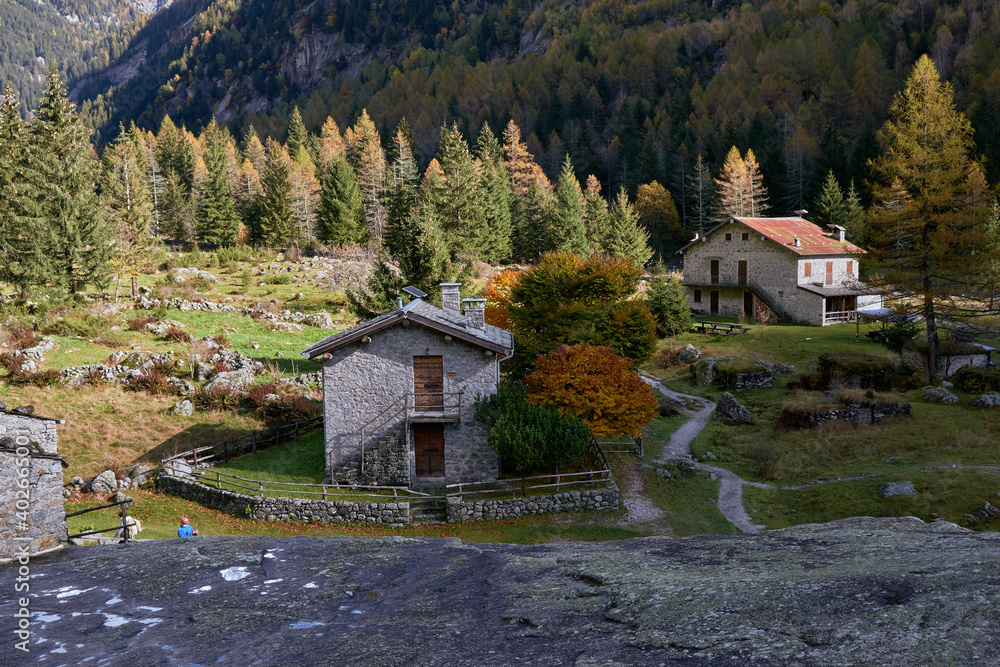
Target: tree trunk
[
  {"x": 135, "y": 287},
  {"x": 933, "y": 344}
]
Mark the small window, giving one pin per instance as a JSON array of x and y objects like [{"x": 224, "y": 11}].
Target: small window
[
  {"x": 781, "y": 295},
  {"x": 697, "y": 296},
  {"x": 807, "y": 269},
  {"x": 746, "y": 236},
  {"x": 729, "y": 237},
  {"x": 850, "y": 267}
]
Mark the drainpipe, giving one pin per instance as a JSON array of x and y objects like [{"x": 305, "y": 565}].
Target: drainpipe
[{"x": 505, "y": 358}]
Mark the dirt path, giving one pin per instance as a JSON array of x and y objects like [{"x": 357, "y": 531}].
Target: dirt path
[
  {"x": 640, "y": 508},
  {"x": 730, "y": 501}
]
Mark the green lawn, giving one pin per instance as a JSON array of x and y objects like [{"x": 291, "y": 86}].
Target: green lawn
[{"x": 948, "y": 494}]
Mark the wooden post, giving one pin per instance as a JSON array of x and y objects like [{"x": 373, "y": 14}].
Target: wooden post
[
  {"x": 296, "y": 430},
  {"x": 394, "y": 494},
  {"x": 362, "y": 451},
  {"x": 260, "y": 488},
  {"x": 254, "y": 437},
  {"x": 323, "y": 486}
]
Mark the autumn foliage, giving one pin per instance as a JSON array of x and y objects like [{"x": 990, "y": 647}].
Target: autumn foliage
[
  {"x": 498, "y": 298},
  {"x": 595, "y": 384}
]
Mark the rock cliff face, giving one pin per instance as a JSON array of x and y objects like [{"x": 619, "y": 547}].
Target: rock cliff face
[{"x": 859, "y": 591}]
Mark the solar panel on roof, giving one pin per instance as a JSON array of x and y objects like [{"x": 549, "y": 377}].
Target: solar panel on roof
[{"x": 414, "y": 292}]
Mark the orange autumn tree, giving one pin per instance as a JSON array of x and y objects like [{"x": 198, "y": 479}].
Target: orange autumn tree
[
  {"x": 498, "y": 298},
  {"x": 595, "y": 384}
]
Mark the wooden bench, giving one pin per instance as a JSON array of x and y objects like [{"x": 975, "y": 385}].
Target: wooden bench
[{"x": 723, "y": 328}]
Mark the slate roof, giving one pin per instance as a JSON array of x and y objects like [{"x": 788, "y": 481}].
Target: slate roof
[
  {"x": 783, "y": 231},
  {"x": 419, "y": 311},
  {"x": 15, "y": 413}
]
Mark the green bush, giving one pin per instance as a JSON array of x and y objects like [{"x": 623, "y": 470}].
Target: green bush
[
  {"x": 629, "y": 329},
  {"x": 236, "y": 253},
  {"x": 278, "y": 279},
  {"x": 528, "y": 437},
  {"x": 668, "y": 303},
  {"x": 976, "y": 379}
]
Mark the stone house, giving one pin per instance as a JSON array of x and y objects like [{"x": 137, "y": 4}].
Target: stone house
[
  {"x": 785, "y": 269},
  {"x": 29, "y": 446},
  {"x": 399, "y": 393},
  {"x": 953, "y": 356}
]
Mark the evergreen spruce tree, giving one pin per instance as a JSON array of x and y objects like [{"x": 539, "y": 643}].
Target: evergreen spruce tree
[
  {"x": 403, "y": 196},
  {"x": 215, "y": 215},
  {"x": 341, "y": 219},
  {"x": 128, "y": 201},
  {"x": 855, "y": 218},
  {"x": 831, "y": 209},
  {"x": 496, "y": 195},
  {"x": 624, "y": 237},
  {"x": 667, "y": 301},
  {"x": 67, "y": 192},
  {"x": 174, "y": 153},
  {"x": 596, "y": 213},
  {"x": 298, "y": 138},
  {"x": 531, "y": 226},
  {"x": 462, "y": 207},
  {"x": 276, "y": 224},
  {"x": 25, "y": 238},
  {"x": 567, "y": 229}
]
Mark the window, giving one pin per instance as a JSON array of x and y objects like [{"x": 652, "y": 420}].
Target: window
[
  {"x": 729, "y": 237},
  {"x": 697, "y": 296},
  {"x": 781, "y": 295},
  {"x": 850, "y": 267},
  {"x": 746, "y": 236},
  {"x": 807, "y": 269}
]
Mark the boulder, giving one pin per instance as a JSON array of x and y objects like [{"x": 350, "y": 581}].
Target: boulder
[
  {"x": 988, "y": 400},
  {"x": 103, "y": 483},
  {"x": 987, "y": 511},
  {"x": 939, "y": 395},
  {"x": 729, "y": 411},
  {"x": 689, "y": 354},
  {"x": 184, "y": 408},
  {"x": 322, "y": 320},
  {"x": 233, "y": 381},
  {"x": 897, "y": 489},
  {"x": 76, "y": 482}
]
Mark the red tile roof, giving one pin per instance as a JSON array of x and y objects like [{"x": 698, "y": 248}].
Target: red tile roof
[{"x": 812, "y": 239}]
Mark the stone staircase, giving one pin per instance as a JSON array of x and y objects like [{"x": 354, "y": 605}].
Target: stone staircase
[
  {"x": 386, "y": 461},
  {"x": 427, "y": 511}
]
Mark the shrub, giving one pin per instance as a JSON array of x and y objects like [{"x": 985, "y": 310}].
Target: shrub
[
  {"x": 245, "y": 279},
  {"x": 664, "y": 356},
  {"x": 21, "y": 336},
  {"x": 765, "y": 459},
  {"x": 277, "y": 279},
  {"x": 153, "y": 381},
  {"x": 236, "y": 253},
  {"x": 139, "y": 323},
  {"x": 976, "y": 379},
  {"x": 856, "y": 370},
  {"x": 526, "y": 436},
  {"x": 288, "y": 409},
  {"x": 629, "y": 329},
  {"x": 216, "y": 399},
  {"x": 222, "y": 339},
  {"x": 177, "y": 335},
  {"x": 256, "y": 393},
  {"x": 76, "y": 322}
]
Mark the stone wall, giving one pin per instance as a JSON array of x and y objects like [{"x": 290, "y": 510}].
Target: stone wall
[
  {"x": 856, "y": 413},
  {"x": 458, "y": 511},
  {"x": 361, "y": 380},
  {"x": 30, "y": 443},
  {"x": 948, "y": 364},
  {"x": 386, "y": 461},
  {"x": 287, "y": 509}
]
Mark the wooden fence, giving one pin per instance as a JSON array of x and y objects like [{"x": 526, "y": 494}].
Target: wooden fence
[
  {"x": 247, "y": 444},
  {"x": 123, "y": 504},
  {"x": 625, "y": 444}
]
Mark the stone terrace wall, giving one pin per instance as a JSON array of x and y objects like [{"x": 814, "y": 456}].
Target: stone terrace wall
[
  {"x": 46, "y": 516},
  {"x": 458, "y": 511},
  {"x": 287, "y": 509}
]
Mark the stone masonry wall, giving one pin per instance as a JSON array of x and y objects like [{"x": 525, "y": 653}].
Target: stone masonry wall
[
  {"x": 287, "y": 509},
  {"x": 46, "y": 516},
  {"x": 362, "y": 380},
  {"x": 458, "y": 511},
  {"x": 947, "y": 364}
]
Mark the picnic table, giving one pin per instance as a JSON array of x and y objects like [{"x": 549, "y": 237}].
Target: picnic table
[{"x": 724, "y": 328}]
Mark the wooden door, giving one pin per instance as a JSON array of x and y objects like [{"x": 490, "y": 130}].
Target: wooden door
[
  {"x": 741, "y": 271},
  {"x": 714, "y": 268},
  {"x": 428, "y": 383},
  {"x": 714, "y": 297},
  {"x": 428, "y": 449},
  {"x": 748, "y": 304}
]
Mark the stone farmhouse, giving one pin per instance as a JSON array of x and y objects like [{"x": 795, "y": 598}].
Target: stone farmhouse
[
  {"x": 785, "y": 269},
  {"x": 30, "y": 443},
  {"x": 399, "y": 393}
]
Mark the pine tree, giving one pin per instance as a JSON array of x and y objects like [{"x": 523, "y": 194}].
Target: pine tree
[
  {"x": 624, "y": 237},
  {"x": 831, "y": 209},
  {"x": 756, "y": 199},
  {"x": 462, "y": 208},
  {"x": 276, "y": 223},
  {"x": 667, "y": 300},
  {"x": 365, "y": 153},
  {"x": 25, "y": 238},
  {"x": 702, "y": 195},
  {"x": 254, "y": 151},
  {"x": 68, "y": 196},
  {"x": 596, "y": 209},
  {"x": 130, "y": 209},
  {"x": 248, "y": 194},
  {"x": 567, "y": 230},
  {"x": 403, "y": 197},
  {"x": 298, "y": 138},
  {"x": 174, "y": 153},
  {"x": 341, "y": 219},
  {"x": 331, "y": 143},
  {"x": 495, "y": 186},
  {"x": 305, "y": 194},
  {"x": 731, "y": 187},
  {"x": 854, "y": 217},
  {"x": 216, "y": 217},
  {"x": 926, "y": 241},
  {"x": 532, "y": 223}
]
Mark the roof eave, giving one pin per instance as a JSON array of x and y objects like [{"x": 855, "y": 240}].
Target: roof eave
[{"x": 324, "y": 347}]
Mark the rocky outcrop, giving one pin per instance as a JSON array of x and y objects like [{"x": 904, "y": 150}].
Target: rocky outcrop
[
  {"x": 990, "y": 399},
  {"x": 729, "y": 411},
  {"x": 939, "y": 395},
  {"x": 858, "y": 591}
]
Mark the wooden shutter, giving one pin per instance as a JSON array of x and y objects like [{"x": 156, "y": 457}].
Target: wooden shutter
[
  {"x": 829, "y": 273},
  {"x": 741, "y": 271},
  {"x": 428, "y": 383},
  {"x": 807, "y": 269}
]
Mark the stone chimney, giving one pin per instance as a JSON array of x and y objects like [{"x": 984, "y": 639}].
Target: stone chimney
[
  {"x": 450, "y": 298},
  {"x": 797, "y": 243},
  {"x": 475, "y": 313},
  {"x": 838, "y": 232}
]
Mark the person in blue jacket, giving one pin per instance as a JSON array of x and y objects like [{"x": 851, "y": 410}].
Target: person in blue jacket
[{"x": 186, "y": 529}]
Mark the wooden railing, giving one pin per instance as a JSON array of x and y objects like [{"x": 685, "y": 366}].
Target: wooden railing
[
  {"x": 213, "y": 478},
  {"x": 632, "y": 445},
  {"x": 833, "y": 317},
  {"x": 123, "y": 526},
  {"x": 247, "y": 444}
]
